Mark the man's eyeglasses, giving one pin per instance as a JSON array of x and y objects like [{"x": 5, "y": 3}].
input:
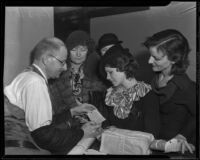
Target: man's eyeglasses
[{"x": 61, "y": 62}]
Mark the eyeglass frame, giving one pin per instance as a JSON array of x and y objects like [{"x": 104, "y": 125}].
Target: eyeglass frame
[{"x": 61, "y": 62}]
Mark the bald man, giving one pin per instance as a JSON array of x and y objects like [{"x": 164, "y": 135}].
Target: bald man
[{"x": 30, "y": 123}]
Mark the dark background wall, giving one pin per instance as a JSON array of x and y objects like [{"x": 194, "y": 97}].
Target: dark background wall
[
  {"x": 133, "y": 25},
  {"x": 133, "y": 28},
  {"x": 65, "y": 23}
]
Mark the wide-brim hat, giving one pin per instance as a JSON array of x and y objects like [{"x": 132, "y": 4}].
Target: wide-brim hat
[{"x": 108, "y": 39}]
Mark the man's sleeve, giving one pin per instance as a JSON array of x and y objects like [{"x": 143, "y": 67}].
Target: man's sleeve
[
  {"x": 37, "y": 104},
  {"x": 58, "y": 137}
]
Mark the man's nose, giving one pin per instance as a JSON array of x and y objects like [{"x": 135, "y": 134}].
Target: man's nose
[{"x": 65, "y": 67}]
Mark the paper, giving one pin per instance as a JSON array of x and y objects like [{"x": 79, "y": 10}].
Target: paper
[
  {"x": 125, "y": 142},
  {"x": 95, "y": 116}
]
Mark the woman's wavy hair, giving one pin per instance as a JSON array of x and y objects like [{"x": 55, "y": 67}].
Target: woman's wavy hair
[
  {"x": 121, "y": 59},
  {"x": 173, "y": 44}
]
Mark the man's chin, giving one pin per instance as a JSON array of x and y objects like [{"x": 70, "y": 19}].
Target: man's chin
[{"x": 55, "y": 77}]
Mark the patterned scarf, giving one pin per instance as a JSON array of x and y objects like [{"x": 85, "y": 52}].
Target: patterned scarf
[
  {"x": 76, "y": 82},
  {"x": 122, "y": 99}
]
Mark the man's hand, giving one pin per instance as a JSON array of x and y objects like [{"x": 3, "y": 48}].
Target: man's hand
[
  {"x": 82, "y": 118},
  {"x": 82, "y": 109}
]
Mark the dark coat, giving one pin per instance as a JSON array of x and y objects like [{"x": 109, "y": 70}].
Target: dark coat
[
  {"x": 144, "y": 115},
  {"x": 62, "y": 97},
  {"x": 177, "y": 107}
]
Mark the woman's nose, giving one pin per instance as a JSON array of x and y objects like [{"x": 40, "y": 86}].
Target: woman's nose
[
  {"x": 108, "y": 77},
  {"x": 150, "y": 61},
  {"x": 78, "y": 53}
]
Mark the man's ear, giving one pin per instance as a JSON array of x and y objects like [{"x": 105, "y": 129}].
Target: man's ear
[{"x": 45, "y": 59}]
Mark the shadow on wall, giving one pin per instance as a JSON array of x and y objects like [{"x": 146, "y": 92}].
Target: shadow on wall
[
  {"x": 31, "y": 58},
  {"x": 145, "y": 72}
]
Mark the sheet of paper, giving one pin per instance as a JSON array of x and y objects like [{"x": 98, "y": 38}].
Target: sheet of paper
[
  {"x": 96, "y": 117},
  {"x": 122, "y": 142}
]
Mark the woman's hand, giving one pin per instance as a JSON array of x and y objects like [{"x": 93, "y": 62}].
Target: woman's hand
[
  {"x": 91, "y": 129},
  {"x": 185, "y": 146},
  {"x": 82, "y": 109}
]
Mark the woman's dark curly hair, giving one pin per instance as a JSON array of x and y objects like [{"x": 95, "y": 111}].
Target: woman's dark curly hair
[
  {"x": 121, "y": 59},
  {"x": 172, "y": 43}
]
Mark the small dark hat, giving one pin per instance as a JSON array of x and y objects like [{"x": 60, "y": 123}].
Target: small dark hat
[
  {"x": 76, "y": 38},
  {"x": 107, "y": 39}
]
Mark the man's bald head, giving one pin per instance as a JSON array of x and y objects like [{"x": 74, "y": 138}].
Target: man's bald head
[{"x": 46, "y": 46}]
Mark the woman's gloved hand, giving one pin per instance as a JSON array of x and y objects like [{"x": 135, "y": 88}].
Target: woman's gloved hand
[{"x": 185, "y": 146}]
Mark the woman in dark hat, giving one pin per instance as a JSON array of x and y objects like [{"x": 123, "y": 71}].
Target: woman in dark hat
[
  {"x": 107, "y": 41},
  {"x": 74, "y": 85},
  {"x": 129, "y": 103}
]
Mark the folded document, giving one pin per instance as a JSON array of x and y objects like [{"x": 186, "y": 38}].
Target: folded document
[{"x": 95, "y": 116}]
